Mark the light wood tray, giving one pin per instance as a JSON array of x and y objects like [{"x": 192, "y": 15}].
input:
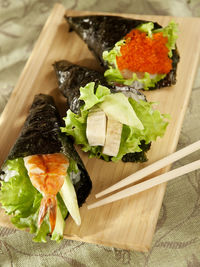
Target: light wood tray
[{"x": 128, "y": 223}]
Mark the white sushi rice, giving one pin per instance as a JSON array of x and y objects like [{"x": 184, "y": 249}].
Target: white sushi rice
[
  {"x": 8, "y": 174},
  {"x": 75, "y": 177},
  {"x": 130, "y": 92}
]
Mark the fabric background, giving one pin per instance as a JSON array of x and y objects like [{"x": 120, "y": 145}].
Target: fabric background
[{"x": 177, "y": 238}]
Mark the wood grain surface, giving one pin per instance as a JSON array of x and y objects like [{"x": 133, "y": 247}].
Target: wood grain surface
[{"x": 128, "y": 223}]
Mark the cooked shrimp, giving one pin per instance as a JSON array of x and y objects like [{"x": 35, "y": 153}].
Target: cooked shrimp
[{"x": 47, "y": 174}]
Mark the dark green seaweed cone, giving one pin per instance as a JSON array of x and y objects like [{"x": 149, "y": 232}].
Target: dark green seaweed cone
[
  {"x": 101, "y": 33},
  {"x": 71, "y": 77},
  {"x": 41, "y": 135}
]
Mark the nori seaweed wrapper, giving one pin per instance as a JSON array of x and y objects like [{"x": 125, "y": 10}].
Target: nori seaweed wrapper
[
  {"x": 101, "y": 33},
  {"x": 41, "y": 135},
  {"x": 71, "y": 77}
]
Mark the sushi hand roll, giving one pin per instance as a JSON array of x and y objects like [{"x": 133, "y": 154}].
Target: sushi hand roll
[
  {"x": 110, "y": 122},
  {"x": 137, "y": 53},
  {"x": 43, "y": 178}
]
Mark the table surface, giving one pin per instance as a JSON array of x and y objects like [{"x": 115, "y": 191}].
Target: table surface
[{"x": 177, "y": 238}]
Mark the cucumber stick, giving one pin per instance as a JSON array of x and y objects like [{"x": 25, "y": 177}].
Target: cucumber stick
[
  {"x": 57, "y": 234},
  {"x": 69, "y": 197}
]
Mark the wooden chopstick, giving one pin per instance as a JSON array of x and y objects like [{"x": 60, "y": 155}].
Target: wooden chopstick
[
  {"x": 151, "y": 168},
  {"x": 147, "y": 184}
]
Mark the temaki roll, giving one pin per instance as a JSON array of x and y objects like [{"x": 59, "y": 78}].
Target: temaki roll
[
  {"x": 136, "y": 53},
  {"x": 43, "y": 177},
  {"x": 110, "y": 122}
]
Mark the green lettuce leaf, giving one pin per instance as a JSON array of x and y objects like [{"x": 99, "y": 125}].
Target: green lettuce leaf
[
  {"x": 113, "y": 74},
  {"x": 152, "y": 121},
  {"x": 18, "y": 194},
  {"x": 90, "y": 98},
  {"x": 110, "y": 56},
  {"x": 20, "y": 199},
  {"x": 171, "y": 32},
  {"x": 146, "y": 27},
  {"x": 75, "y": 125}
]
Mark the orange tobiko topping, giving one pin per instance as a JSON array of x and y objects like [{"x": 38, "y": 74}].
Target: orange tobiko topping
[{"x": 141, "y": 53}]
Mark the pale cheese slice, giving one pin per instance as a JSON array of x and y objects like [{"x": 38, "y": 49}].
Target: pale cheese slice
[
  {"x": 113, "y": 137},
  {"x": 96, "y": 127}
]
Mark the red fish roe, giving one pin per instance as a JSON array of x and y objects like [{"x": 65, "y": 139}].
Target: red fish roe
[{"x": 144, "y": 54}]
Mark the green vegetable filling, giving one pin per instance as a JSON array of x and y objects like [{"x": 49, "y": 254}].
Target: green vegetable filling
[
  {"x": 145, "y": 123},
  {"x": 22, "y": 200}
]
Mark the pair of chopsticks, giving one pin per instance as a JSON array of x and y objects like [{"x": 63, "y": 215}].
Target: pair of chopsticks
[{"x": 165, "y": 177}]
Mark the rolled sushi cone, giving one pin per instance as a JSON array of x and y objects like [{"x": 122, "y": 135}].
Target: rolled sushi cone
[
  {"x": 45, "y": 156},
  {"x": 71, "y": 77},
  {"x": 101, "y": 33},
  {"x": 41, "y": 135}
]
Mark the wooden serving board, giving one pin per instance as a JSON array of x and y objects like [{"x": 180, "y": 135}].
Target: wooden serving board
[{"x": 128, "y": 223}]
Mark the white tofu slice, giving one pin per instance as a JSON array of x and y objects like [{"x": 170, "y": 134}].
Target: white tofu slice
[
  {"x": 96, "y": 127},
  {"x": 113, "y": 137}
]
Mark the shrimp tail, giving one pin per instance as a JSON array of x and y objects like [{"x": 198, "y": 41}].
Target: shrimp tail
[{"x": 48, "y": 203}]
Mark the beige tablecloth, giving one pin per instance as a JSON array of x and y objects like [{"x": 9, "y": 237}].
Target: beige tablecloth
[{"x": 177, "y": 238}]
